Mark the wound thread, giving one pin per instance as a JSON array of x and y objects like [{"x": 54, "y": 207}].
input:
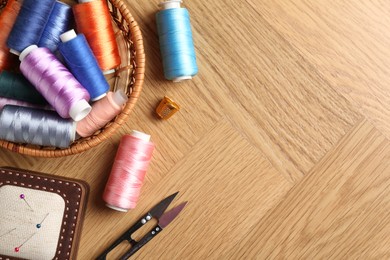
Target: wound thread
[
  {"x": 35, "y": 126},
  {"x": 94, "y": 21},
  {"x": 7, "y": 21},
  {"x": 103, "y": 111},
  {"x": 176, "y": 44},
  {"x": 128, "y": 172},
  {"x": 60, "y": 21},
  {"x": 8, "y": 101},
  {"x": 15, "y": 86},
  {"x": 83, "y": 65},
  {"x": 53, "y": 80},
  {"x": 29, "y": 24}
]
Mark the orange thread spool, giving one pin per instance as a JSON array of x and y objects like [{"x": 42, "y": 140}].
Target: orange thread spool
[
  {"x": 103, "y": 111},
  {"x": 94, "y": 21},
  {"x": 7, "y": 20}
]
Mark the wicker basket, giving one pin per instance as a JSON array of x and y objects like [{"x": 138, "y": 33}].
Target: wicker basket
[{"x": 129, "y": 77}]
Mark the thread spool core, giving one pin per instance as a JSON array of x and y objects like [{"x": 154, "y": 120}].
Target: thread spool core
[
  {"x": 119, "y": 97},
  {"x": 99, "y": 97},
  {"x": 27, "y": 51},
  {"x": 170, "y": 4},
  {"x": 182, "y": 78},
  {"x": 116, "y": 208},
  {"x": 106, "y": 72},
  {"x": 73, "y": 134},
  {"x": 14, "y": 52},
  {"x": 140, "y": 135},
  {"x": 79, "y": 110},
  {"x": 68, "y": 36}
]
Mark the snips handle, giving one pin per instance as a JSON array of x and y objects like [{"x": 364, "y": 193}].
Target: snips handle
[
  {"x": 126, "y": 236},
  {"x": 151, "y": 234}
]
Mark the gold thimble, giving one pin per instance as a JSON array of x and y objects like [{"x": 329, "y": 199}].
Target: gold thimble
[{"x": 167, "y": 108}]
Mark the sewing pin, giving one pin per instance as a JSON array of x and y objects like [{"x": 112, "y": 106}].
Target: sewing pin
[
  {"x": 23, "y": 197},
  {"x": 17, "y": 249},
  {"x": 39, "y": 225},
  {"x": 6, "y": 233}
]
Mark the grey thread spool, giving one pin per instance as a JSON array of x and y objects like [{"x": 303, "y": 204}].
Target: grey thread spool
[{"x": 36, "y": 126}]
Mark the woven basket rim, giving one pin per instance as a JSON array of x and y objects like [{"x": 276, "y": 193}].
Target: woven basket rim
[{"x": 136, "y": 88}]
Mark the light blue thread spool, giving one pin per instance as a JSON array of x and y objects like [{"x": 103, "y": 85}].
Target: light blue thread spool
[{"x": 176, "y": 44}]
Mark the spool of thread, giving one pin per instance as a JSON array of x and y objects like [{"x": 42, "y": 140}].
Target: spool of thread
[
  {"x": 128, "y": 172},
  {"x": 53, "y": 80},
  {"x": 8, "y": 101},
  {"x": 103, "y": 111},
  {"x": 7, "y": 20},
  {"x": 94, "y": 21},
  {"x": 15, "y": 86},
  {"x": 29, "y": 24},
  {"x": 176, "y": 44},
  {"x": 82, "y": 63},
  {"x": 35, "y": 126},
  {"x": 60, "y": 21}
]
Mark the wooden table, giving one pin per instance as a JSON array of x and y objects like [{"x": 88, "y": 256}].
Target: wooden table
[{"x": 282, "y": 143}]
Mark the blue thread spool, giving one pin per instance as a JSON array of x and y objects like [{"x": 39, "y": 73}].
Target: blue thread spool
[
  {"x": 60, "y": 21},
  {"x": 29, "y": 24},
  {"x": 83, "y": 65},
  {"x": 176, "y": 44}
]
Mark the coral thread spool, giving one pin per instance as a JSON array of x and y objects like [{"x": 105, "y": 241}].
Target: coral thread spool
[
  {"x": 176, "y": 43},
  {"x": 128, "y": 172},
  {"x": 103, "y": 111}
]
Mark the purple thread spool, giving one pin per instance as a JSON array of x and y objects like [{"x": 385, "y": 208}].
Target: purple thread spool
[{"x": 54, "y": 81}]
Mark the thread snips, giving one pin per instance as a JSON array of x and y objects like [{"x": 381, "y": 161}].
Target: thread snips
[{"x": 158, "y": 212}]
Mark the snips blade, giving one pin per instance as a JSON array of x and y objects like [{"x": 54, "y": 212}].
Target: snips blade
[
  {"x": 159, "y": 209},
  {"x": 170, "y": 215}
]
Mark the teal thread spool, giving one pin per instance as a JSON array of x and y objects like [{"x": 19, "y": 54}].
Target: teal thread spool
[
  {"x": 176, "y": 43},
  {"x": 16, "y": 86}
]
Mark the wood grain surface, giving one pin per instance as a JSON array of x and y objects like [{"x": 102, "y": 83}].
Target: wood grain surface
[{"x": 281, "y": 146}]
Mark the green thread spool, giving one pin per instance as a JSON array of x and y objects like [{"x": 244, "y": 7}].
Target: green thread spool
[{"x": 15, "y": 86}]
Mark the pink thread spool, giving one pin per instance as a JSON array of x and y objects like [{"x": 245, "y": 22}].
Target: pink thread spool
[
  {"x": 103, "y": 111},
  {"x": 128, "y": 172}
]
